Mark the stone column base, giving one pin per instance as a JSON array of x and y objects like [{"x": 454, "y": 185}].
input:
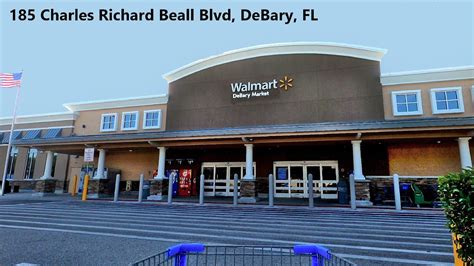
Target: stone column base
[
  {"x": 99, "y": 188},
  {"x": 45, "y": 187},
  {"x": 248, "y": 191},
  {"x": 156, "y": 189},
  {"x": 362, "y": 190}
]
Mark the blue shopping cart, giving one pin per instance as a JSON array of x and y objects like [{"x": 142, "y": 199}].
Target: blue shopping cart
[{"x": 200, "y": 254}]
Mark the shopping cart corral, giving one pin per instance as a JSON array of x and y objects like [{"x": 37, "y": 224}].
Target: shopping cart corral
[{"x": 200, "y": 254}]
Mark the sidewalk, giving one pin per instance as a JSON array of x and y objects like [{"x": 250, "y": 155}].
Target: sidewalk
[{"x": 27, "y": 197}]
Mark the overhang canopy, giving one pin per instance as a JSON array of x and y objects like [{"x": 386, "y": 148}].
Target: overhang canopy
[{"x": 326, "y": 128}]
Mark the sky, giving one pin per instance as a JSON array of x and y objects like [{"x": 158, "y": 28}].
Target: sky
[{"x": 65, "y": 62}]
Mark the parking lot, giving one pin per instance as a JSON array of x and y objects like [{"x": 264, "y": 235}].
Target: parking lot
[{"x": 62, "y": 231}]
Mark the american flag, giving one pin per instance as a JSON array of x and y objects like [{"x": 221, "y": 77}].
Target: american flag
[{"x": 9, "y": 80}]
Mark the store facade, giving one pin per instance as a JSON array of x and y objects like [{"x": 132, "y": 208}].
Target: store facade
[{"x": 281, "y": 111}]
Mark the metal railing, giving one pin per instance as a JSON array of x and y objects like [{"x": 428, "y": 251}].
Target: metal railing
[{"x": 199, "y": 254}]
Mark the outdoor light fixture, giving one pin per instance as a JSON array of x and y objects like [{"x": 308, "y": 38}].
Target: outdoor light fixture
[
  {"x": 180, "y": 161},
  {"x": 169, "y": 161},
  {"x": 190, "y": 161}
]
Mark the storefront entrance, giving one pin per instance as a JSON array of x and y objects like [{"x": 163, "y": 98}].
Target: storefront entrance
[
  {"x": 219, "y": 177},
  {"x": 291, "y": 178}
]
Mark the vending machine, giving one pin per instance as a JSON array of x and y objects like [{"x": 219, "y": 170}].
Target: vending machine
[
  {"x": 185, "y": 182},
  {"x": 86, "y": 169},
  {"x": 175, "y": 174}
]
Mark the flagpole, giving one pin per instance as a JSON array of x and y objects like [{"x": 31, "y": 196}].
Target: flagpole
[{"x": 9, "y": 147}]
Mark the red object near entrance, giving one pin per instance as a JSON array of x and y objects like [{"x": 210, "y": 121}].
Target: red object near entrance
[{"x": 185, "y": 182}]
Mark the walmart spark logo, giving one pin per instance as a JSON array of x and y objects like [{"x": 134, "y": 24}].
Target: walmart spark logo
[{"x": 286, "y": 83}]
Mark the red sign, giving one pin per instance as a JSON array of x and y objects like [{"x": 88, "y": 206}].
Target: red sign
[{"x": 185, "y": 182}]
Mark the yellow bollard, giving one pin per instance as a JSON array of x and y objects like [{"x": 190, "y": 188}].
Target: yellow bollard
[
  {"x": 457, "y": 260},
  {"x": 85, "y": 187},
  {"x": 74, "y": 186}
]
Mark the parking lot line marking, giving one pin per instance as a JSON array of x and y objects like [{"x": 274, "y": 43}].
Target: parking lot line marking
[
  {"x": 242, "y": 238},
  {"x": 420, "y": 227},
  {"x": 375, "y": 241},
  {"x": 140, "y": 222}
]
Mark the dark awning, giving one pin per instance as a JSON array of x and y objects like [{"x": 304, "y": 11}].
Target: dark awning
[
  {"x": 6, "y": 136},
  {"x": 329, "y": 127}
]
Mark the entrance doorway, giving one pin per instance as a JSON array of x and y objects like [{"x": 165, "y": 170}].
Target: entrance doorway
[
  {"x": 219, "y": 177},
  {"x": 291, "y": 178}
]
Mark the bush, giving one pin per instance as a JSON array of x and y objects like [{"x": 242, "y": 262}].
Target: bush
[{"x": 456, "y": 191}]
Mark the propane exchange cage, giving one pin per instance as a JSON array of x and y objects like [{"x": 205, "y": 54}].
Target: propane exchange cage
[{"x": 200, "y": 254}]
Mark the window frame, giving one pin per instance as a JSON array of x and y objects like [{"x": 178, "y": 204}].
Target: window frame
[
  {"x": 12, "y": 159},
  {"x": 159, "y": 119},
  {"x": 136, "y": 120},
  {"x": 434, "y": 106},
  {"x": 31, "y": 163},
  {"x": 407, "y": 113},
  {"x": 102, "y": 123}
]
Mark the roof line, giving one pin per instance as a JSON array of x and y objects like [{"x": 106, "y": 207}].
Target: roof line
[
  {"x": 117, "y": 103},
  {"x": 428, "y": 75},
  {"x": 326, "y": 48},
  {"x": 39, "y": 118}
]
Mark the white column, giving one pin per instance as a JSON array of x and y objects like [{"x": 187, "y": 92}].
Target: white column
[
  {"x": 161, "y": 163},
  {"x": 357, "y": 160},
  {"x": 248, "y": 162},
  {"x": 100, "y": 165},
  {"x": 48, "y": 166},
  {"x": 464, "y": 152}
]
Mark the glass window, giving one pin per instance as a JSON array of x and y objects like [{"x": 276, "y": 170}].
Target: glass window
[
  {"x": 296, "y": 172},
  {"x": 12, "y": 162},
  {"x": 108, "y": 122},
  {"x": 407, "y": 102},
  {"x": 221, "y": 173},
  {"x": 152, "y": 119},
  {"x": 30, "y": 163},
  {"x": 282, "y": 173},
  {"x": 446, "y": 100},
  {"x": 53, "y": 168},
  {"x": 129, "y": 120}
]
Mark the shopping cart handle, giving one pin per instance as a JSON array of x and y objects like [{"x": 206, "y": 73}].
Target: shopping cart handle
[
  {"x": 312, "y": 250},
  {"x": 185, "y": 248}
]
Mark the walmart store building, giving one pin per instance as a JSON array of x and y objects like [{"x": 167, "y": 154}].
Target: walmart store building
[{"x": 289, "y": 110}]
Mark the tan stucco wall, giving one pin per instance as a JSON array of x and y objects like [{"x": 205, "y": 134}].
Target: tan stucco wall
[
  {"x": 20, "y": 165},
  {"x": 3, "y": 153},
  {"x": 39, "y": 165},
  {"x": 91, "y": 119},
  {"x": 424, "y": 159},
  {"x": 60, "y": 171},
  {"x": 132, "y": 164},
  {"x": 426, "y": 98}
]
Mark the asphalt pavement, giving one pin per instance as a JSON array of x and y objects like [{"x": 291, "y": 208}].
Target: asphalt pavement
[{"x": 61, "y": 231}]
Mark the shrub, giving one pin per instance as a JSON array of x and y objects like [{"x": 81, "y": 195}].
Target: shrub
[{"x": 456, "y": 191}]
